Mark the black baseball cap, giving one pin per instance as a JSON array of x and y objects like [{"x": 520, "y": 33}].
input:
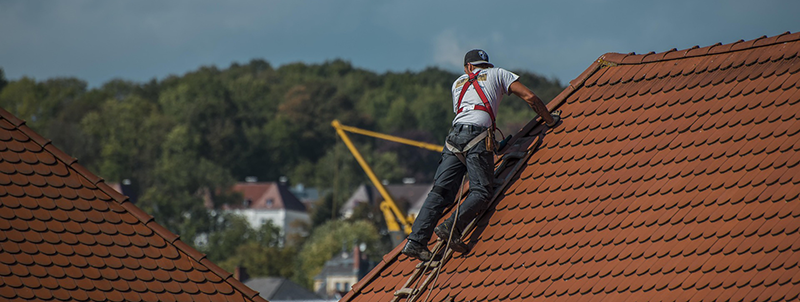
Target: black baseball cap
[{"x": 477, "y": 56}]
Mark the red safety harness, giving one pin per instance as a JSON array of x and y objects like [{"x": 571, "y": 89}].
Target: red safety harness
[
  {"x": 489, "y": 134},
  {"x": 473, "y": 79}
]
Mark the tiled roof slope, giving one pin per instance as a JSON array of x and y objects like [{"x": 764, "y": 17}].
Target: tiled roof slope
[
  {"x": 674, "y": 176},
  {"x": 66, "y": 235}
]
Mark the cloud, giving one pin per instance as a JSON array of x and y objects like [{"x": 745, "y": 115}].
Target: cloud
[
  {"x": 138, "y": 40},
  {"x": 447, "y": 50}
]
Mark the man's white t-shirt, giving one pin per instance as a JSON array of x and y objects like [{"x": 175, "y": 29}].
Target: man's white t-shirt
[{"x": 494, "y": 82}]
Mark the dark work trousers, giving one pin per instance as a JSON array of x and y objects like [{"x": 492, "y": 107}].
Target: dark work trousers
[{"x": 479, "y": 166}]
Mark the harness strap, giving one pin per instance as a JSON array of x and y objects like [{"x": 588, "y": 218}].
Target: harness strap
[
  {"x": 473, "y": 107},
  {"x": 473, "y": 79},
  {"x": 472, "y": 143}
]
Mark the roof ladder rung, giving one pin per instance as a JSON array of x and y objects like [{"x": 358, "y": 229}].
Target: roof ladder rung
[
  {"x": 430, "y": 264},
  {"x": 404, "y": 292}
]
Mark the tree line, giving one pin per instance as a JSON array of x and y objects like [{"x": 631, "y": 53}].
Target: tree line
[{"x": 185, "y": 137}]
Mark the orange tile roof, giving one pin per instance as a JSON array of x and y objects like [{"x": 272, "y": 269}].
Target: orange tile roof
[
  {"x": 66, "y": 235},
  {"x": 673, "y": 176}
]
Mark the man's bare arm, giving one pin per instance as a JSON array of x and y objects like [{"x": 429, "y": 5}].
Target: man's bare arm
[{"x": 536, "y": 104}]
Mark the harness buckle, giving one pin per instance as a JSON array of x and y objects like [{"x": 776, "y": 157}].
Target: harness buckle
[{"x": 491, "y": 144}]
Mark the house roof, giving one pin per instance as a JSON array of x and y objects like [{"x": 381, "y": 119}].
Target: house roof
[
  {"x": 67, "y": 235},
  {"x": 410, "y": 194},
  {"x": 274, "y": 288},
  {"x": 261, "y": 193},
  {"x": 339, "y": 265},
  {"x": 673, "y": 176}
]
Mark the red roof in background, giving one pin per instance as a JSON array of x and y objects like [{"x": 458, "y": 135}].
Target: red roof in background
[
  {"x": 66, "y": 235},
  {"x": 259, "y": 193},
  {"x": 673, "y": 176}
]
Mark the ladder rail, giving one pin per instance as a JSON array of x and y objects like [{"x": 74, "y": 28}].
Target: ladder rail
[{"x": 412, "y": 293}]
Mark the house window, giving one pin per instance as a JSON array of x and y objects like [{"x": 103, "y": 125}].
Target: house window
[
  {"x": 346, "y": 286},
  {"x": 270, "y": 202},
  {"x": 338, "y": 286}
]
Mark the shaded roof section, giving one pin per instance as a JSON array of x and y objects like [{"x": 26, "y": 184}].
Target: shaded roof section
[
  {"x": 274, "y": 288},
  {"x": 409, "y": 195},
  {"x": 345, "y": 264},
  {"x": 267, "y": 196},
  {"x": 674, "y": 176},
  {"x": 66, "y": 235}
]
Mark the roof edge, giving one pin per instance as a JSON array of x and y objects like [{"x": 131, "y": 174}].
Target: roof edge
[
  {"x": 373, "y": 273},
  {"x": 697, "y": 51},
  {"x": 146, "y": 219}
]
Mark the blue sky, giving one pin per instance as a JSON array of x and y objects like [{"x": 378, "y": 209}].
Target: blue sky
[{"x": 140, "y": 40}]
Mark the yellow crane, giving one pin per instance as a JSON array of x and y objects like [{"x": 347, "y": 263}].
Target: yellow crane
[{"x": 398, "y": 224}]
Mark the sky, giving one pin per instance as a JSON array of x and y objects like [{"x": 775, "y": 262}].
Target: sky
[{"x": 99, "y": 40}]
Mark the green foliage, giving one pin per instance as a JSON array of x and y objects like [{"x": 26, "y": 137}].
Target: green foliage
[
  {"x": 53, "y": 108},
  {"x": 39, "y": 103},
  {"x": 262, "y": 261},
  {"x": 3, "y": 80},
  {"x": 326, "y": 209},
  {"x": 235, "y": 243},
  {"x": 132, "y": 132},
  {"x": 182, "y": 178}
]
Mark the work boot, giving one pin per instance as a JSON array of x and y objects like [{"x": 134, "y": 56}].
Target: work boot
[
  {"x": 416, "y": 250},
  {"x": 443, "y": 231}
]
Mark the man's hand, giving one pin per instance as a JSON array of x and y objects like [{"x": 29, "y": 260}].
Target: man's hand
[
  {"x": 556, "y": 118},
  {"x": 536, "y": 104}
]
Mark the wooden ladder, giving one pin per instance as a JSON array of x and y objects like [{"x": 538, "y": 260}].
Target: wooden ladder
[{"x": 431, "y": 268}]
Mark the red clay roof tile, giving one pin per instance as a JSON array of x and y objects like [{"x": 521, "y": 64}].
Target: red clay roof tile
[
  {"x": 66, "y": 236},
  {"x": 668, "y": 178}
]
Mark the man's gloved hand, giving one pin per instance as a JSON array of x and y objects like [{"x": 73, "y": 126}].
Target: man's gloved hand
[{"x": 556, "y": 118}]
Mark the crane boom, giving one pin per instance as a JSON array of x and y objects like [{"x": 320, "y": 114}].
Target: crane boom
[
  {"x": 432, "y": 147},
  {"x": 395, "y": 219}
]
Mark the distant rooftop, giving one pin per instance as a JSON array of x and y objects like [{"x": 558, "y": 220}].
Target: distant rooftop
[
  {"x": 267, "y": 196},
  {"x": 281, "y": 289}
]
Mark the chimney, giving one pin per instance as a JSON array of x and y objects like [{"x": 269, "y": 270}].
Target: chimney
[
  {"x": 356, "y": 259},
  {"x": 360, "y": 264},
  {"x": 240, "y": 273}
]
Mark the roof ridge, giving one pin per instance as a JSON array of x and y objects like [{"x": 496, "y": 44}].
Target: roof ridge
[
  {"x": 287, "y": 195},
  {"x": 124, "y": 202},
  {"x": 281, "y": 284},
  {"x": 697, "y": 51}
]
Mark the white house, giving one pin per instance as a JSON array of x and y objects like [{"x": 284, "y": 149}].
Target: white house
[{"x": 270, "y": 201}]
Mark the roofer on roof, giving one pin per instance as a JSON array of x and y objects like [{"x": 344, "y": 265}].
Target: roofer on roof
[{"x": 476, "y": 96}]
